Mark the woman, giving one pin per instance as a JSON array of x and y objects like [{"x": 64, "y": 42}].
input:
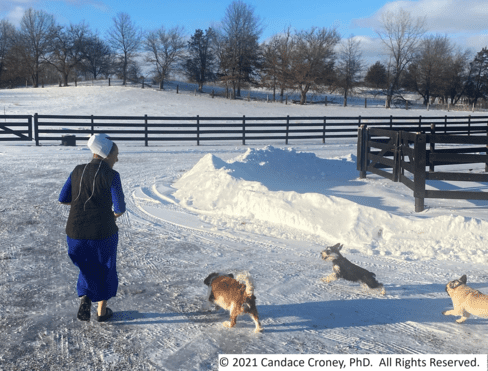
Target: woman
[{"x": 91, "y": 229}]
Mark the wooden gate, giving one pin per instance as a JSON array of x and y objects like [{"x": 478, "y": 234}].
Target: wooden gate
[{"x": 15, "y": 127}]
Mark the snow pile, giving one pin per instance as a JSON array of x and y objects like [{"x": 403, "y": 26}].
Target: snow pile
[{"x": 282, "y": 193}]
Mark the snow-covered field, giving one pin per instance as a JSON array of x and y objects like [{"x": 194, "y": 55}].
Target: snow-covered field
[{"x": 223, "y": 207}]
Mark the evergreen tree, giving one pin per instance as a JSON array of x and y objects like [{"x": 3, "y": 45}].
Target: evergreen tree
[
  {"x": 199, "y": 67},
  {"x": 376, "y": 76}
]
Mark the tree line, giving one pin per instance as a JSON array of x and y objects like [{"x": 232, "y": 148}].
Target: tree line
[{"x": 313, "y": 60}]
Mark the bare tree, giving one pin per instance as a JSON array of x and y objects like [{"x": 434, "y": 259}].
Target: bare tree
[
  {"x": 200, "y": 65},
  {"x": 97, "y": 57},
  {"x": 454, "y": 81},
  {"x": 240, "y": 32},
  {"x": 68, "y": 49},
  {"x": 37, "y": 30},
  {"x": 270, "y": 69},
  {"x": 349, "y": 67},
  {"x": 401, "y": 35},
  {"x": 477, "y": 82},
  {"x": 312, "y": 59},
  {"x": 426, "y": 74},
  {"x": 7, "y": 37},
  {"x": 166, "y": 50},
  {"x": 125, "y": 39}
]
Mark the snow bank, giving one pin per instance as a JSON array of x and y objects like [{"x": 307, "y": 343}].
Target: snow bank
[{"x": 259, "y": 192}]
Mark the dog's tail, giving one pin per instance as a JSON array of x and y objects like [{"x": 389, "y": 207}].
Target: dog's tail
[{"x": 246, "y": 278}]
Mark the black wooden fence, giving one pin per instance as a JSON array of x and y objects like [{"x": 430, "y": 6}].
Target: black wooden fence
[
  {"x": 146, "y": 128},
  {"x": 197, "y": 129},
  {"x": 399, "y": 151}
]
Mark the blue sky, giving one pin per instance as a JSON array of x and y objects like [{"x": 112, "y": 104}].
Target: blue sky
[{"x": 465, "y": 21}]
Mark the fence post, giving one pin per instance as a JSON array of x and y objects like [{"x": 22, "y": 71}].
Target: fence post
[
  {"x": 391, "y": 121},
  {"x": 287, "y": 128},
  {"x": 213, "y": 93},
  {"x": 143, "y": 83},
  {"x": 243, "y": 129},
  {"x": 420, "y": 122},
  {"x": 29, "y": 123},
  {"x": 445, "y": 124},
  {"x": 325, "y": 124},
  {"x": 36, "y": 129},
  {"x": 177, "y": 86},
  {"x": 286, "y": 100},
  {"x": 362, "y": 152},
  {"x": 108, "y": 81},
  {"x": 146, "y": 134},
  {"x": 469, "y": 125},
  {"x": 92, "y": 126},
  {"x": 486, "y": 164},
  {"x": 198, "y": 129},
  {"x": 365, "y": 103},
  {"x": 326, "y": 100},
  {"x": 432, "y": 147},
  {"x": 396, "y": 158},
  {"x": 419, "y": 171}
]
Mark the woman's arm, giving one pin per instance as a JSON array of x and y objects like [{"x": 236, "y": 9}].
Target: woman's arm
[
  {"x": 65, "y": 195},
  {"x": 117, "y": 196}
]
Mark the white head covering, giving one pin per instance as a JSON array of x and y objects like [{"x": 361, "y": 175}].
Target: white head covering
[{"x": 100, "y": 144}]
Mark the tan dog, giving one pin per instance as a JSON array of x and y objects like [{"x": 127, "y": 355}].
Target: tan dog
[
  {"x": 226, "y": 292},
  {"x": 466, "y": 301}
]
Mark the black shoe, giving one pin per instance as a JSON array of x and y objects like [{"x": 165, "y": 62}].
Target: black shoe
[
  {"x": 106, "y": 316},
  {"x": 84, "y": 310}
]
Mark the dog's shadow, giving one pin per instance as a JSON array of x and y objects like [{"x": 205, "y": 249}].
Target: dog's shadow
[
  {"x": 432, "y": 289},
  {"x": 134, "y": 317},
  {"x": 355, "y": 313}
]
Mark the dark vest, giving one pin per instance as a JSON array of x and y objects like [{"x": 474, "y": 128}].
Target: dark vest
[{"x": 91, "y": 218}]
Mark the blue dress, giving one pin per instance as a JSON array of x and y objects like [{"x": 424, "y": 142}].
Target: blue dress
[{"x": 96, "y": 258}]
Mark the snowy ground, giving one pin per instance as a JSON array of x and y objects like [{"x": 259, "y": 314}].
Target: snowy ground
[{"x": 227, "y": 207}]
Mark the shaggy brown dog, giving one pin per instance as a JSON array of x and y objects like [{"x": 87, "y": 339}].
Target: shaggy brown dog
[
  {"x": 466, "y": 301},
  {"x": 226, "y": 292}
]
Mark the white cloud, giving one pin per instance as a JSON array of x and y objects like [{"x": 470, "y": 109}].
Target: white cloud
[
  {"x": 15, "y": 15},
  {"x": 442, "y": 16}
]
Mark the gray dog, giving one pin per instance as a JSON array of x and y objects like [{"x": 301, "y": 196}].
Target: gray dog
[{"x": 343, "y": 268}]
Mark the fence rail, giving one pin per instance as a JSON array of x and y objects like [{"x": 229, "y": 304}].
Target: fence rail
[{"x": 396, "y": 152}]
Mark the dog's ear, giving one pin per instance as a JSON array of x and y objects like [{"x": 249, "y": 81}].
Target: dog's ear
[
  {"x": 336, "y": 247},
  {"x": 463, "y": 279},
  {"x": 231, "y": 275},
  {"x": 340, "y": 247},
  {"x": 209, "y": 278}
]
